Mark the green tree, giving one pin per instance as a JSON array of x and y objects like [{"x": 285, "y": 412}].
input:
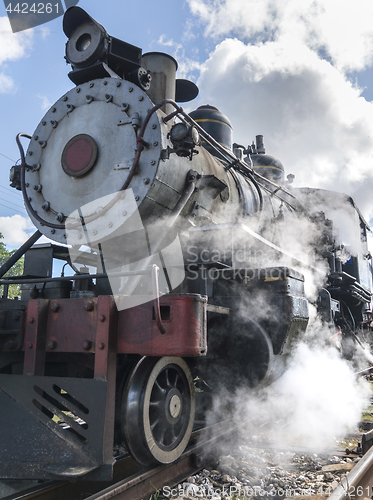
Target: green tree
[{"x": 16, "y": 270}]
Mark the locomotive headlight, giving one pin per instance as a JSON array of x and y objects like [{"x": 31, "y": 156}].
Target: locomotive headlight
[
  {"x": 93, "y": 53},
  {"x": 179, "y": 132},
  {"x": 182, "y": 131},
  {"x": 184, "y": 138},
  {"x": 84, "y": 42},
  {"x": 86, "y": 45}
]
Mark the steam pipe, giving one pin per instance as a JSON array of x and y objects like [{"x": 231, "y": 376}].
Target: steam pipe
[
  {"x": 140, "y": 146},
  {"x": 260, "y": 144},
  {"x": 187, "y": 193},
  {"x": 222, "y": 151}
]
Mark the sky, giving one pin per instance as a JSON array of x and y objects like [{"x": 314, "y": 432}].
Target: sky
[{"x": 299, "y": 73}]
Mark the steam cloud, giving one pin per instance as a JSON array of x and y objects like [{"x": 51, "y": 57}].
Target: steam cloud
[{"x": 317, "y": 400}]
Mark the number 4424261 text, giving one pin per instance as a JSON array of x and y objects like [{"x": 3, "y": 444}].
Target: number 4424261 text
[{"x": 34, "y": 8}]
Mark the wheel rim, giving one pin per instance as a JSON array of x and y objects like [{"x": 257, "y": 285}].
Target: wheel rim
[{"x": 158, "y": 409}]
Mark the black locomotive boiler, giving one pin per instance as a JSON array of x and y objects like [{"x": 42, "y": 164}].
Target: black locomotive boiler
[{"x": 180, "y": 272}]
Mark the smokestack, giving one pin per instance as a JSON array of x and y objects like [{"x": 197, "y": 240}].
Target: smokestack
[{"x": 162, "y": 68}]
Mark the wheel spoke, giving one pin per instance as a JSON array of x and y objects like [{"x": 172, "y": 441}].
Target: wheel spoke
[
  {"x": 160, "y": 431},
  {"x": 154, "y": 424},
  {"x": 168, "y": 383},
  {"x": 178, "y": 427},
  {"x": 173, "y": 433},
  {"x": 160, "y": 389},
  {"x": 169, "y": 436},
  {"x": 156, "y": 404}
]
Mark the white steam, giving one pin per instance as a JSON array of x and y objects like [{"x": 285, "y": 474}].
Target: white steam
[
  {"x": 282, "y": 69},
  {"x": 315, "y": 402},
  {"x": 319, "y": 397}
]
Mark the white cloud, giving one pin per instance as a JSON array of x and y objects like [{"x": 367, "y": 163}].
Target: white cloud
[
  {"x": 286, "y": 76},
  {"x": 343, "y": 31},
  {"x": 45, "y": 102},
  {"x": 15, "y": 229},
  {"x": 186, "y": 65},
  {"x": 6, "y": 84},
  {"x": 312, "y": 118},
  {"x": 162, "y": 40},
  {"x": 45, "y": 31},
  {"x": 12, "y": 46}
]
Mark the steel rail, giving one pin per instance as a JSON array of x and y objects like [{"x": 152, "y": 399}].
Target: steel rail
[
  {"x": 131, "y": 481},
  {"x": 191, "y": 461},
  {"x": 359, "y": 482},
  {"x": 366, "y": 371}
]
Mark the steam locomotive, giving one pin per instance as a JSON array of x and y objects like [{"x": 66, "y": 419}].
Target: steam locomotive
[{"x": 184, "y": 261}]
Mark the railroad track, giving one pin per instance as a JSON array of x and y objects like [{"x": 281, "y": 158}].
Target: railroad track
[
  {"x": 358, "y": 483},
  {"x": 131, "y": 481}
]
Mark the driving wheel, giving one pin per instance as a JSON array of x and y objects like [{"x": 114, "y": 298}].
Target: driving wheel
[{"x": 158, "y": 409}]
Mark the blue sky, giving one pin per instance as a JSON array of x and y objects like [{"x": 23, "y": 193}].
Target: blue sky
[{"x": 300, "y": 73}]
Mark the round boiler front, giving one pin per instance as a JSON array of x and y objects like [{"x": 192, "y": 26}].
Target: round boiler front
[{"x": 82, "y": 151}]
